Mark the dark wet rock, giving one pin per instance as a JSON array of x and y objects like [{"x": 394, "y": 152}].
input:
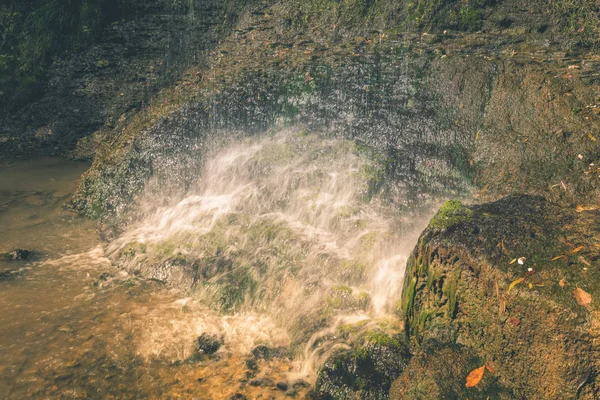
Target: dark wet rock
[
  {"x": 464, "y": 285},
  {"x": 439, "y": 371},
  {"x": 301, "y": 384},
  {"x": 283, "y": 386},
  {"x": 268, "y": 353},
  {"x": 7, "y": 274},
  {"x": 238, "y": 396},
  {"x": 104, "y": 276},
  {"x": 17, "y": 254},
  {"x": 365, "y": 372},
  {"x": 208, "y": 343},
  {"x": 262, "y": 382},
  {"x": 251, "y": 364}
]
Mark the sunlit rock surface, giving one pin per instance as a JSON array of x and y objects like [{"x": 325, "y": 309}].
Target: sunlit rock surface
[{"x": 515, "y": 283}]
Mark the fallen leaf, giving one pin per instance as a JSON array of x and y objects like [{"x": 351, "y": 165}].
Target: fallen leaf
[
  {"x": 584, "y": 261},
  {"x": 515, "y": 283},
  {"x": 530, "y": 286},
  {"x": 581, "y": 207},
  {"x": 521, "y": 260},
  {"x": 562, "y": 282},
  {"x": 557, "y": 257},
  {"x": 514, "y": 321},
  {"x": 502, "y": 307},
  {"x": 475, "y": 377},
  {"x": 591, "y": 137},
  {"x": 578, "y": 249},
  {"x": 514, "y": 260},
  {"x": 582, "y": 297},
  {"x": 573, "y": 67}
]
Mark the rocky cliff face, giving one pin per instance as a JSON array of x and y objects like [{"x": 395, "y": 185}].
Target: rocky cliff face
[{"x": 117, "y": 76}]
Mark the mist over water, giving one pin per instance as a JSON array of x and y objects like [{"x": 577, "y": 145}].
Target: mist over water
[{"x": 283, "y": 232}]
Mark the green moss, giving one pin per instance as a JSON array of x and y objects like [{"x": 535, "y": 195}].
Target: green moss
[
  {"x": 367, "y": 241},
  {"x": 450, "y": 292},
  {"x": 419, "y": 324},
  {"x": 380, "y": 338},
  {"x": 352, "y": 270},
  {"x": 340, "y": 297},
  {"x": 133, "y": 249},
  {"x": 452, "y": 213},
  {"x": 408, "y": 295},
  {"x": 580, "y": 18},
  {"x": 234, "y": 287},
  {"x": 470, "y": 19}
]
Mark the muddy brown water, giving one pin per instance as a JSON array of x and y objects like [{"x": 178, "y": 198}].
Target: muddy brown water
[{"x": 73, "y": 326}]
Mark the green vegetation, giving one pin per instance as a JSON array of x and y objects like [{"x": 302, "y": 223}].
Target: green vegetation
[
  {"x": 580, "y": 17},
  {"x": 451, "y": 214},
  {"x": 234, "y": 287},
  {"x": 450, "y": 292},
  {"x": 34, "y": 32},
  {"x": 408, "y": 295}
]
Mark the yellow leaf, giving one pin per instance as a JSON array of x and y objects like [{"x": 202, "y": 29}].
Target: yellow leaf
[
  {"x": 578, "y": 249},
  {"x": 475, "y": 377},
  {"x": 557, "y": 257},
  {"x": 530, "y": 286},
  {"x": 581, "y": 207},
  {"x": 582, "y": 297},
  {"x": 591, "y": 137},
  {"x": 515, "y": 283},
  {"x": 514, "y": 260}
]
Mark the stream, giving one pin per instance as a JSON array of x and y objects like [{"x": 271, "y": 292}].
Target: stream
[
  {"x": 278, "y": 255},
  {"x": 73, "y": 326}
]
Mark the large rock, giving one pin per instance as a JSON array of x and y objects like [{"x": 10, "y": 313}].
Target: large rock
[
  {"x": 511, "y": 282},
  {"x": 364, "y": 372}
]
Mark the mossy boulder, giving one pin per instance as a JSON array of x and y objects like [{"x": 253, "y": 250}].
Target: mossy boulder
[
  {"x": 509, "y": 281},
  {"x": 366, "y": 371}
]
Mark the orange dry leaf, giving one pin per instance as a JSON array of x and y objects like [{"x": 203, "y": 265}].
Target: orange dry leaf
[
  {"x": 475, "y": 377},
  {"x": 582, "y": 297},
  {"x": 562, "y": 282},
  {"x": 578, "y": 249},
  {"x": 581, "y": 207},
  {"x": 515, "y": 283}
]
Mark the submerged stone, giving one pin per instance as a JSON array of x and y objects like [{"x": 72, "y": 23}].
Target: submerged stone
[
  {"x": 208, "y": 343},
  {"x": 17, "y": 254},
  {"x": 269, "y": 353}
]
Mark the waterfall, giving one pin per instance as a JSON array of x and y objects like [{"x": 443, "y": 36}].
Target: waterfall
[{"x": 285, "y": 225}]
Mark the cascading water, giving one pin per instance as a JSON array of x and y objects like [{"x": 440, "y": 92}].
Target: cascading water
[{"x": 283, "y": 230}]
